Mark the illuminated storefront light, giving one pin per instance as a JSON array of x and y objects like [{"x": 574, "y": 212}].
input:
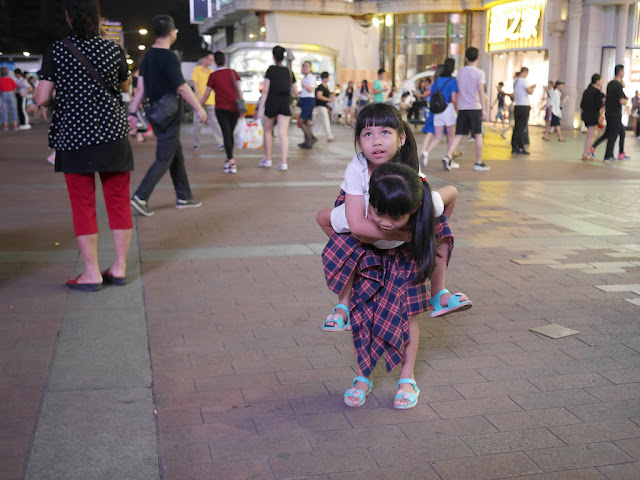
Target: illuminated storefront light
[{"x": 516, "y": 25}]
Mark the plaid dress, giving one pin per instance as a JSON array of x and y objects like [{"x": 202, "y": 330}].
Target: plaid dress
[{"x": 383, "y": 295}]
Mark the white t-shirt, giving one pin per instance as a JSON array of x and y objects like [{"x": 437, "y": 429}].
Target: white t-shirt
[
  {"x": 520, "y": 94},
  {"x": 309, "y": 81},
  {"x": 556, "y": 103},
  {"x": 356, "y": 182},
  {"x": 469, "y": 79}
]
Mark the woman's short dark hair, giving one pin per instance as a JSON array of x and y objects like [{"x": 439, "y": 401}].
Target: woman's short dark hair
[
  {"x": 278, "y": 53},
  {"x": 161, "y": 25},
  {"x": 84, "y": 16}
]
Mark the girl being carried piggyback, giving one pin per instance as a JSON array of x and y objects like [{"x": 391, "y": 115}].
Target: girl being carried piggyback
[{"x": 382, "y": 268}]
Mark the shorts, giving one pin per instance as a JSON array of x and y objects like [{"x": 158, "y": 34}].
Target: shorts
[
  {"x": 446, "y": 118},
  {"x": 469, "y": 121},
  {"x": 278, "y": 106},
  {"x": 555, "y": 121},
  {"x": 500, "y": 115},
  {"x": 548, "y": 114},
  {"x": 307, "y": 105}
]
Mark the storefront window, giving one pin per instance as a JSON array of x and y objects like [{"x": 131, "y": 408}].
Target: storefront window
[
  {"x": 422, "y": 41},
  {"x": 249, "y": 29}
]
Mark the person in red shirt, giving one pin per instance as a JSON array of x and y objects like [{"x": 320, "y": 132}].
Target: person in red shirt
[
  {"x": 226, "y": 84},
  {"x": 8, "y": 96}
]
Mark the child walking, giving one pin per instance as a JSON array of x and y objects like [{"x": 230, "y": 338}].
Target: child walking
[
  {"x": 401, "y": 149},
  {"x": 386, "y": 307}
]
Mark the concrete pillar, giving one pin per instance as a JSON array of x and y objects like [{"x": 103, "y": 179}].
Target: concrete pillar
[
  {"x": 555, "y": 30},
  {"x": 622, "y": 20},
  {"x": 571, "y": 72}
]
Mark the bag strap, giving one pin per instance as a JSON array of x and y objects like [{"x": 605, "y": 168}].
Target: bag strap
[
  {"x": 235, "y": 84},
  {"x": 90, "y": 68},
  {"x": 445, "y": 83}
]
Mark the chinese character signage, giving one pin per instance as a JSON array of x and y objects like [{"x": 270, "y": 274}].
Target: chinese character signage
[{"x": 516, "y": 25}]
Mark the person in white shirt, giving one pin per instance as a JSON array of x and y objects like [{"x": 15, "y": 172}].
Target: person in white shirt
[
  {"x": 307, "y": 104},
  {"x": 521, "y": 91},
  {"x": 556, "y": 112},
  {"x": 472, "y": 107}
]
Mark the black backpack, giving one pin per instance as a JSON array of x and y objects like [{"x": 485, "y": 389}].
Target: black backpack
[{"x": 438, "y": 104}]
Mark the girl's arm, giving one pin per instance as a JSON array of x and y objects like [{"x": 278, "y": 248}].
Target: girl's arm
[
  {"x": 365, "y": 230},
  {"x": 263, "y": 98}
]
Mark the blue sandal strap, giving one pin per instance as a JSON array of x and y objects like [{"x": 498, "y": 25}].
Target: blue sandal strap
[
  {"x": 362, "y": 379},
  {"x": 410, "y": 381},
  {"x": 435, "y": 301},
  {"x": 454, "y": 301},
  {"x": 341, "y": 324},
  {"x": 346, "y": 309}
]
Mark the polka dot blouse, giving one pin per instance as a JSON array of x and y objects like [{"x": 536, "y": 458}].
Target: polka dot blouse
[{"x": 85, "y": 113}]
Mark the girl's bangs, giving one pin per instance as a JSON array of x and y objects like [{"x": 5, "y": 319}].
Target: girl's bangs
[
  {"x": 378, "y": 115},
  {"x": 389, "y": 197}
]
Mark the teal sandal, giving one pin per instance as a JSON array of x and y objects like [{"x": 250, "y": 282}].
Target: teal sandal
[
  {"x": 339, "y": 326},
  {"x": 412, "y": 397},
  {"x": 357, "y": 393},
  {"x": 454, "y": 305}
]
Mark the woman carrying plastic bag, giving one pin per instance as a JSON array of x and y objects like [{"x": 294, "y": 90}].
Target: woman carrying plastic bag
[{"x": 249, "y": 133}]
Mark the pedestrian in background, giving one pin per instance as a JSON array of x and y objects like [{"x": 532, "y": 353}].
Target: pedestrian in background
[
  {"x": 548, "y": 94},
  {"x": 379, "y": 87},
  {"x": 500, "y": 114},
  {"x": 90, "y": 134},
  {"x": 521, "y": 91},
  {"x": 591, "y": 106},
  {"x": 635, "y": 112},
  {"x": 161, "y": 78},
  {"x": 200, "y": 77},
  {"x": 472, "y": 109},
  {"x": 614, "y": 101},
  {"x": 275, "y": 104},
  {"x": 307, "y": 104},
  {"x": 447, "y": 86},
  {"x": 323, "y": 97},
  {"x": 349, "y": 104},
  {"x": 8, "y": 97},
  {"x": 227, "y": 85},
  {"x": 556, "y": 112},
  {"x": 21, "y": 97},
  {"x": 364, "y": 95}
]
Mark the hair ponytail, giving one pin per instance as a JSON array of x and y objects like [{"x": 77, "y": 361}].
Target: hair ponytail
[
  {"x": 408, "y": 153},
  {"x": 423, "y": 227},
  {"x": 395, "y": 190}
]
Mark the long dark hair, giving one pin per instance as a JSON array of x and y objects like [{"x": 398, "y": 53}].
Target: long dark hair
[
  {"x": 397, "y": 190},
  {"x": 364, "y": 87},
  {"x": 448, "y": 67},
  {"x": 386, "y": 115},
  {"x": 85, "y": 17}
]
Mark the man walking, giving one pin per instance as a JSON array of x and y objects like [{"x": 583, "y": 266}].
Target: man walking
[
  {"x": 613, "y": 113},
  {"x": 521, "y": 91},
  {"x": 379, "y": 87},
  {"x": 472, "y": 107},
  {"x": 323, "y": 97},
  {"x": 199, "y": 77},
  {"x": 161, "y": 78},
  {"x": 307, "y": 104}
]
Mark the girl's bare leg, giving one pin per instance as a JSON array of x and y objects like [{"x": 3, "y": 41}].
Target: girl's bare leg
[
  {"x": 268, "y": 136},
  {"x": 283, "y": 133}
]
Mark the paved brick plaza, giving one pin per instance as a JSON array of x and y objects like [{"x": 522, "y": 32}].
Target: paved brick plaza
[{"x": 226, "y": 301}]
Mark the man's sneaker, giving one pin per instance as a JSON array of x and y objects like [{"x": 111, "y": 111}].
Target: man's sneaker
[
  {"x": 230, "y": 168},
  {"x": 446, "y": 163},
  {"x": 481, "y": 167},
  {"x": 471, "y": 139},
  {"x": 264, "y": 163},
  {"x": 424, "y": 159},
  {"x": 609, "y": 159},
  {"x": 623, "y": 156},
  {"x": 141, "y": 206},
  {"x": 24, "y": 127},
  {"x": 454, "y": 165},
  {"x": 220, "y": 148},
  {"x": 283, "y": 167},
  {"x": 305, "y": 146},
  {"x": 191, "y": 203},
  {"x": 196, "y": 147}
]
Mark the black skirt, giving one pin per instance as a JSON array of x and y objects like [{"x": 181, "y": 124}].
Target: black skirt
[{"x": 115, "y": 156}]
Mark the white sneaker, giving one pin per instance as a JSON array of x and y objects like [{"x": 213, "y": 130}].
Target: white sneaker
[
  {"x": 265, "y": 163},
  {"x": 446, "y": 163},
  {"x": 481, "y": 167},
  {"x": 471, "y": 139},
  {"x": 425, "y": 159},
  {"x": 454, "y": 164},
  {"x": 283, "y": 167},
  {"x": 24, "y": 127}
]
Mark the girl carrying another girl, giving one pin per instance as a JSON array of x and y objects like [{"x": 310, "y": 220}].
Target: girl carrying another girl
[{"x": 387, "y": 308}]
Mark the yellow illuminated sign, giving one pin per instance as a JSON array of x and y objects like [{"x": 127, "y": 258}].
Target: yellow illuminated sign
[{"x": 516, "y": 25}]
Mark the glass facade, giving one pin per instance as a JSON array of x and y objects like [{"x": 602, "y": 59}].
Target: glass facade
[{"x": 415, "y": 42}]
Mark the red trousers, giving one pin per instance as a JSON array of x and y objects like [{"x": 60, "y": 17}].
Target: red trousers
[{"x": 82, "y": 193}]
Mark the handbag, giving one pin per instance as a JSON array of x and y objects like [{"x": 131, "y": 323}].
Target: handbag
[
  {"x": 242, "y": 108},
  {"x": 163, "y": 111}
]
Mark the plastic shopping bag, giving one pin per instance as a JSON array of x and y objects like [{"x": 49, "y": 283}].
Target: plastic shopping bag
[{"x": 249, "y": 133}]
